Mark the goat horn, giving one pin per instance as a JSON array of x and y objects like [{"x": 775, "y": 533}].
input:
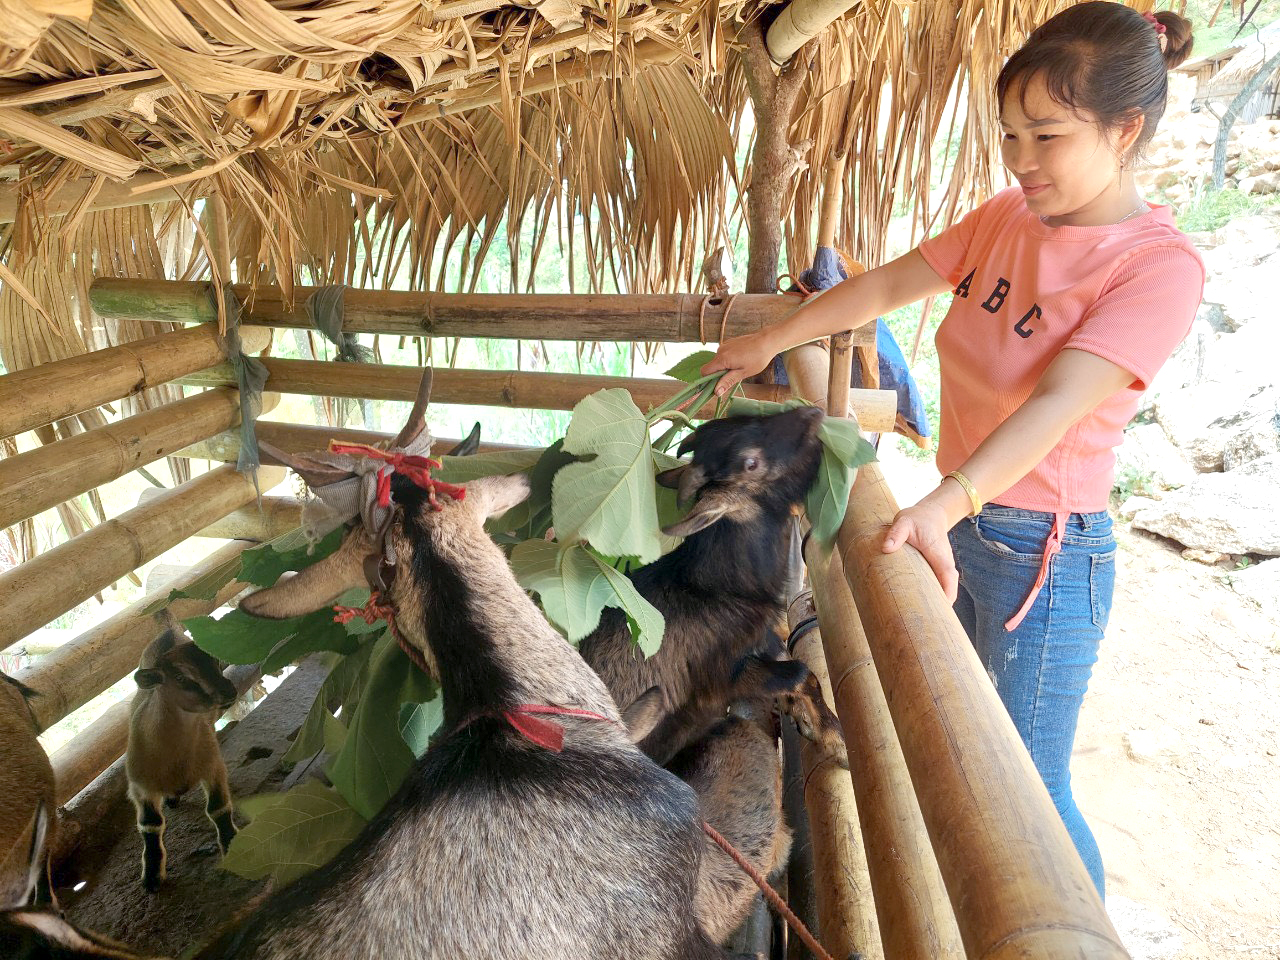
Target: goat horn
[
  {"x": 315, "y": 474},
  {"x": 418, "y": 415}
]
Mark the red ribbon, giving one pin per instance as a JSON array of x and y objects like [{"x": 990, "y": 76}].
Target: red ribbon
[
  {"x": 417, "y": 469},
  {"x": 524, "y": 720}
]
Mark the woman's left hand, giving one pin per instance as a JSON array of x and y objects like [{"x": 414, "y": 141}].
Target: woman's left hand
[{"x": 925, "y": 527}]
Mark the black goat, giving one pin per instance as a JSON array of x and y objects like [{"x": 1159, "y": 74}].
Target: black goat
[{"x": 721, "y": 589}]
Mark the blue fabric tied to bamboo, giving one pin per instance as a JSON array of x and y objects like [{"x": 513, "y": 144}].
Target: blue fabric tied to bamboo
[{"x": 895, "y": 373}]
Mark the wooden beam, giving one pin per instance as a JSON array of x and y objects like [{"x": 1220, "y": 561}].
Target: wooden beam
[
  {"x": 47, "y": 475},
  {"x": 915, "y": 918},
  {"x": 845, "y": 906},
  {"x": 875, "y": 409},
  {"x": 799, "y": 22},
  {"x": 74, "y": 673},
  {"x": 58, "y": 580},
  {"x": 1015, "y": 880},
  {"x": 51, "y": 391},
  {"x": 660, "y": 317}
]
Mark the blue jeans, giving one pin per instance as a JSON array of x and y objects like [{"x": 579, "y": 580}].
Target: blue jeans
[{"x": 1041, "y": 669}]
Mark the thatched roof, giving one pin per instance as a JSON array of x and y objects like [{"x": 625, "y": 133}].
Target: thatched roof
[{"x": 356, "y": 140}]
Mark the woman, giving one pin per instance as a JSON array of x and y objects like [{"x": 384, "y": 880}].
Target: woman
[{"x": 1070, "y": 292}]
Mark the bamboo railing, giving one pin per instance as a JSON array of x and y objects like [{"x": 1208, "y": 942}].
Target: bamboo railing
[{"x": 943, "y": 818}]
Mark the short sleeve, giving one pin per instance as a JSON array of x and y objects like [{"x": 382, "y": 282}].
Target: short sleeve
[
  {"x": 1145, "y": 311},
  {"x": 948, "y": 252}
]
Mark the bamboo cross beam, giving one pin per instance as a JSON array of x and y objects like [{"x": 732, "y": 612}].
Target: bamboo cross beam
[
  {"x": 875, "y": 409},
  {"x": 915, "y": 916},
  {"x": 47, "y": 586},
  {"x": 74, "y": 673},
  {"x": 108, "y": 197},
  {"x": 1016, "y": 883},
  {"x": 299, "y": 438},
  {"x": 657, "y": 317},
  {"x": 47, "y": 475},
  {"x": 846, "y": 908},
  {"x": 799, "y": 22},
  {"x": 31, "y": 398}
]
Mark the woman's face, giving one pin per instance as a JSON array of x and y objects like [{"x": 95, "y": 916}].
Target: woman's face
[{"x": 1067, "y": 165}]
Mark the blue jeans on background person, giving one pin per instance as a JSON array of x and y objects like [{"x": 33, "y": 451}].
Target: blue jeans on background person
[{"x": 1041, "y": 669}]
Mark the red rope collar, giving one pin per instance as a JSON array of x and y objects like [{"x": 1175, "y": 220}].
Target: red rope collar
[
  {"x": 417, "y": 469},
  {"x": 525, "y": 720}
]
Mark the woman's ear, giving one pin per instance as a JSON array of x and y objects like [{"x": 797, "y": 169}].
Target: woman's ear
[{"x": 1128, "y": 134}]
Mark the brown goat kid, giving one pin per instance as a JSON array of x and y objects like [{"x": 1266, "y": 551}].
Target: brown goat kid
[
  {"x": 26, "y": 788},
  {"x": 720, "y": 590},
  {"x": 495, "y": 847},
  {"x": 172, "y": 744}
]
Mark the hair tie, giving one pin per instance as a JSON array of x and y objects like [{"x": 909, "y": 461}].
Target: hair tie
[{"x": 1151, "y": 19}]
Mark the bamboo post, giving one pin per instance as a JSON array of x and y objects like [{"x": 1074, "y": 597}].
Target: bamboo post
[
  {"x": 44, "y": 587},
  {"x": 1015, "y": 881},
  {"x": 47, "y": 475},
  {"x": 658, "y": 317},
  {"x": 915, "y": 918},
  {"x": 31, "y": 398},
  {"x": 840, "y": 374},
  {"x": 299, "y": 438},
  {"x": 875, "y": 409},
  {"x": 846, "y": 911},
  {"x": 72, "y": 674},
  {"x": 271, "y": 517},
  {"x": 104, "y": 741},
  {"x": 807, "y": 372}
]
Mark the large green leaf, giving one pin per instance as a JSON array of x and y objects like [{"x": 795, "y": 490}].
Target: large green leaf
[
  {"x": 829, "y": 496},
  {"x": 240, "y": 638},
  {"x": 532, "y": 518},
  {"x": 291, "y": 834},
  {"x": 572, "y": 588},
  {"x": 498, "y": 463},
  {"x": 419, "y": 722},
  {"x": 843, "y": 438},
  {"x": 262, "y": 566},
  {"x": 575, "y": 585},
  {"x": 340, "y": 690},
  {"x": 609, "y": 500},
  {"x": 374, "y": 759}
]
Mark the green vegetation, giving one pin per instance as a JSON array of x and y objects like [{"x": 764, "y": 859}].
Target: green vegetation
[{"x": 1213, "y": 209}]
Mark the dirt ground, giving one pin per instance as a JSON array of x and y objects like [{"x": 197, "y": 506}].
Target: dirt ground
[{"x": 1177, "y": 761}]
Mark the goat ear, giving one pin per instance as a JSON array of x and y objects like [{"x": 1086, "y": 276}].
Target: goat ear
[
  {"x": 468, "y": 445},
  {"x": 815, "y": 720},
  {"x": 493, "y": 496},
  {"x": 318, "y": 585},
  {"x": 671, "y": 478},
  {"x": 146, "y": 678},
  {"x": 756, "y": 674},
  {"x": 643, "y": 714},
  {"x": 705, "y": 512}
]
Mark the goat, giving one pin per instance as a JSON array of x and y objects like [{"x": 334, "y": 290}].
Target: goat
[
  {"x": 27, "y": 786},
  {"x": 722, "y": 587},
  {"x": 731, "y": 761},
  {"x": 501, "y": 843},
  {"x": 172, "y": 745}
]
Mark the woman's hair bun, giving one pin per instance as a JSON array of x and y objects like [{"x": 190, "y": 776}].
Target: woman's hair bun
[{"x": 1177, "y": 37}]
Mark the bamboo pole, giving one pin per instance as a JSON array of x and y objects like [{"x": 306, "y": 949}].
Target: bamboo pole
[
  {"x": 49, "y": 474},
  {"x": 659, "y": 317},
  {"x": 104, "y": 741},
  {"x": 807, "y": 369},
  {"x": 44, "y": 587},
  {"x": 299, "y": 438},
  {"x": 31, "y": 398},
  {"x": 875, "y": 409},
  {"x": 840, "y": 374},
  {"x": 915, "y": 918},
  {"x": 1015, "y": 881},
  {"x": 72, "y": 674},
  {"x": 846, "y": 911},
  {"x": 270, "y": 518},
  {"x": 799, "y": 22}
]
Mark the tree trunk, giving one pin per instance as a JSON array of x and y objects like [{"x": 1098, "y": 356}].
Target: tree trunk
[
  {"x": 1228, "y": 119},
  {"x": 773, "y": 100}
]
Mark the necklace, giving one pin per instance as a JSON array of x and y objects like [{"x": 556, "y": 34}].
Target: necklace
[{"x": 1142, "y": 208}]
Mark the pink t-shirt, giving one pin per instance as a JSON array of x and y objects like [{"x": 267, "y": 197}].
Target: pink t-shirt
[{"x": 1024, "y": 291}]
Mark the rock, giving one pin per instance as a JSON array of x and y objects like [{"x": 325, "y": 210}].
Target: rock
[
  {"x": 1166, "y": 178},
  {"x": 1148, "y": 455},
  {"x": 1260, "y": 183},
  {"x": 1209, "y": 558},
  {"x": 1133, "y": 504},
  {"x": 1259, "y": 582},
  {"x": 1256, "y": 434},
  {"x": 1235, "y": 512}
]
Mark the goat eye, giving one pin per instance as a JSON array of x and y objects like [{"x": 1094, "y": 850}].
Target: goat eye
[{"x": 750, "y": 464}]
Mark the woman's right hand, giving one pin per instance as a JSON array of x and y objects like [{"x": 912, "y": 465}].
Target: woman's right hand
[{"x": 740, "y": 358}]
